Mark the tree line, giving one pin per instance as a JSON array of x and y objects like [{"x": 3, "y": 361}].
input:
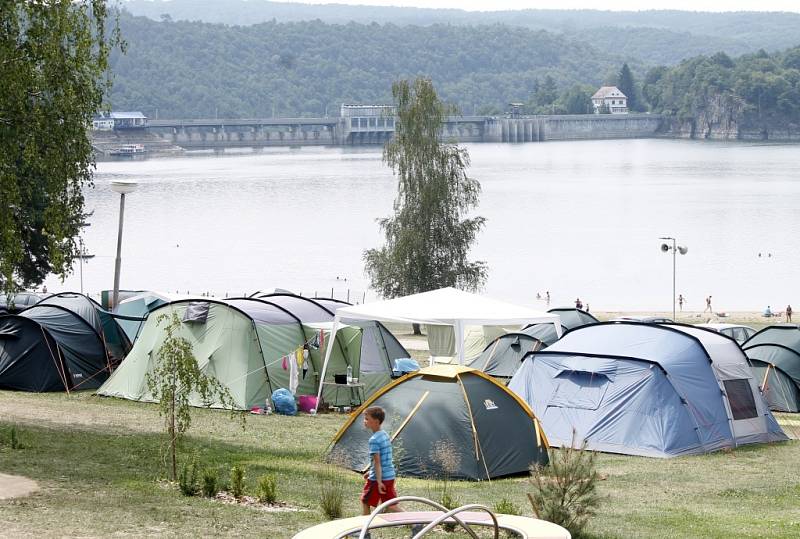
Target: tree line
[
  {"x": 200, "y": 70},
  {"x": 654, "y": 36}
]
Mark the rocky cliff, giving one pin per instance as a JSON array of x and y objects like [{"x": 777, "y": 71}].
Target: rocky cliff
[{"x": 726, "y": 117}]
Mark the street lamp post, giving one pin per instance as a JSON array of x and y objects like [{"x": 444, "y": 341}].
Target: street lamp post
[
  {"x": 123, "y": 188},
  {"x": 665, "y": 247}
]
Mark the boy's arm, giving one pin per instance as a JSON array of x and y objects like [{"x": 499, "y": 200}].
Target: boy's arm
[{"x": 376, "y": 465}]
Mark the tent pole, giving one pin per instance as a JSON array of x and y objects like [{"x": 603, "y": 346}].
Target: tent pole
[
  {"x": 458, "y": 328},
  {"x": 328, "y": 350}
]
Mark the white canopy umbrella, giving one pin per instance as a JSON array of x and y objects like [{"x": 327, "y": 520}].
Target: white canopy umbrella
[{"x": 445, "y": 307}]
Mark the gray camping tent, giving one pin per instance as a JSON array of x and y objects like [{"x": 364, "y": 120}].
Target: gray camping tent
[
  {"x": 774, "y": 354},
  {"x": 646, "y": 389},
  {"x": 502, "y": 357},
  {"x": 571, "y": 318},
  {"x": 448, "y": 420}
]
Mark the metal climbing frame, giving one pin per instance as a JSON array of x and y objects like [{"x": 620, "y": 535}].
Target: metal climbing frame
[{"x": 447, "y": 513}]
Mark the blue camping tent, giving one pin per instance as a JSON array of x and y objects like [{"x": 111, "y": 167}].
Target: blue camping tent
[{"x": 645, "y": 389}]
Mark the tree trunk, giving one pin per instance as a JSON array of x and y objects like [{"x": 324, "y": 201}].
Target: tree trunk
[{"x": 172, "y": 439}]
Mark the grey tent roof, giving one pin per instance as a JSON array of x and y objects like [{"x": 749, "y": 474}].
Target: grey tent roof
[
  {"x": 450, "y": 421},
  {"x": 545, "y": 333},
  {"x": 645, "y": 389},
  {"x": 571, "y": 318},
  {"x": 774, "y": 353},
  {"x": 503, "y": 356}
]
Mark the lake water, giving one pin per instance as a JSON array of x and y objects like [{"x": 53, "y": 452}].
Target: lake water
[{"x": 580, "y": 219}]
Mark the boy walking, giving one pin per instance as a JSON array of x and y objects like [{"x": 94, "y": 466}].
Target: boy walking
[{"x": 379, "y": 486}]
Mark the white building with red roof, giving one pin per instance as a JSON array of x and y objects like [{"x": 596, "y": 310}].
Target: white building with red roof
[{"x": 610, "y": 99}]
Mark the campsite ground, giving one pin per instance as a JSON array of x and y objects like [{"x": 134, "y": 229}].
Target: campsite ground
[{"x": 99, "y": 465}]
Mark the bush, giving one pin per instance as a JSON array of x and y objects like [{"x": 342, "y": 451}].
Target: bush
[
  {"x": 333, "y": 488},
  {"x": 506, "y": 507},
  {"x": 565, "y": 492},
  {"x": 187, "y": 481},
  {"x": 237, "y": 481},
  {"x": 267, "y": 489},
  {"x": 210, "y": 482}
]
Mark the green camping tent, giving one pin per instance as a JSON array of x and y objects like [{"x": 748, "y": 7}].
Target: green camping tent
[
  {"x": 448, "y": 421},
  {"x": 248, "y": 344}
]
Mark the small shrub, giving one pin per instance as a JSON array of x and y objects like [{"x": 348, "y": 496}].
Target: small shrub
[
  {"x": 237, "y": 481},
  {"x": 566, "y": 491},
  {"x": 450, "y": 502},
  {"x": 506, "y": 507},
  {"x": 267, "y": 489},
  {"x": 210, "y": 479},
  {"x": 333, "y": 488},
  {"x": 14, "y": 438},
  {"x": 187, "y": 481}
]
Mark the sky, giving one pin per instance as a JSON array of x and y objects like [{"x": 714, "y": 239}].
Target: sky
[{"x": 616, "y": 5}]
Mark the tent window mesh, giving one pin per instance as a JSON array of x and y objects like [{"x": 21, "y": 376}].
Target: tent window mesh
[
  {"x": 578, "y": 389},
  {"x": 740, "y": 397}
]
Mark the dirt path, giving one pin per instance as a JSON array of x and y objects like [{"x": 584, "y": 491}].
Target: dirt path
[{"x": 15, "y": 486}]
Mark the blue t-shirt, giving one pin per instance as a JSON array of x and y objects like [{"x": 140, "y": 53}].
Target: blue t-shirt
[{"x": 381, "y": 444}]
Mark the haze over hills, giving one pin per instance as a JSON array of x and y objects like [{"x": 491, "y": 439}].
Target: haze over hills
[{"x": 652, "y": 37}]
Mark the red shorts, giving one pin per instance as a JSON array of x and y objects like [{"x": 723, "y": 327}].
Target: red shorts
[{"x": 372, "y": 497}]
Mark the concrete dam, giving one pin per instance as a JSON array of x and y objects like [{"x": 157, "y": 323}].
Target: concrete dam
[{"x": 358, "y": 130}]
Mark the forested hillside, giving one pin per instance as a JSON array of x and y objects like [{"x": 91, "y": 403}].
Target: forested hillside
[
  {"x": 650, "y": 36},
  {"x": 194, "y": 69},
  {"x": 757, "y": 92}
]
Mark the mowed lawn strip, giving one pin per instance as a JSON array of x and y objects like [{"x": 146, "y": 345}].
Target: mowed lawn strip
[{"x": 100, "y": 464}]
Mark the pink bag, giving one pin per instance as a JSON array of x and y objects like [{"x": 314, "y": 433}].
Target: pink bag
[{"x": 306, "y": 403}]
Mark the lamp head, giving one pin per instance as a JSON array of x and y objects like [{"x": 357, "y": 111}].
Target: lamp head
[
  {"x": 664, "y": 247},
  {"x": 682, "y": 249},
  {"x": 123, "y": 187}
]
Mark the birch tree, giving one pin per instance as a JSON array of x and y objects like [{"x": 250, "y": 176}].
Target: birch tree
[{"x": 429, "y": 235}]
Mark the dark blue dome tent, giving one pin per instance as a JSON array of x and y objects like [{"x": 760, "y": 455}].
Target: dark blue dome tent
[{"x": 65, "y": 342}]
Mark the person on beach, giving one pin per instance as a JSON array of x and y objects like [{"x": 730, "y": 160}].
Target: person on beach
[
  {"x": 789, "y": 314},
  {"x": 578, "y": 303},
  {"x": 680, "y": 301},
  {"x": 708, "y": 305},
  {"x": 547, "y": 296}
]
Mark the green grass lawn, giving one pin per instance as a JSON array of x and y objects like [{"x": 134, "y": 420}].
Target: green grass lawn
[{"x": 100, "y": 465}]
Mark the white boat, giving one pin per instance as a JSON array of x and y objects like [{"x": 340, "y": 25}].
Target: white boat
[{"x": 128, "y": 149}]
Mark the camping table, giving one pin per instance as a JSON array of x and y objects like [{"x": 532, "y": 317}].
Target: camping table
[{"x": 356, "y": 393}]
